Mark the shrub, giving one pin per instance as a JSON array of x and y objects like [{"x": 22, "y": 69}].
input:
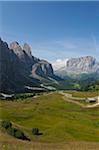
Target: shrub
[
  {"x": 11, "y": 131},
  {"x": 14, "y": 131},
  {"x": 35, "y": 131},
  {"x": 19, "y": 134},
  {"x": 6, "y": 124}
]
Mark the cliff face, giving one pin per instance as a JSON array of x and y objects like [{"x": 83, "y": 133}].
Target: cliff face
[
  {"x": 8, "y": 67},
  {"x": 76, "y": 67},
  {"x": 86, "y": 64},
  {"x": 17, "y": 68}
]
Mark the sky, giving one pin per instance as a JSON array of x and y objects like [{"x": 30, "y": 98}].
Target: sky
[{"x": 54, "y": 30}]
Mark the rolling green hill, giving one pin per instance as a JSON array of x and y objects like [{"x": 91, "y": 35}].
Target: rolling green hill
[{"x": 58, "y": 120}]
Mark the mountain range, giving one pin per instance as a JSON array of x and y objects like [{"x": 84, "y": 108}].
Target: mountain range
[
  {"x": 78, "y": 73},
  {"x": 20, "y": 71}
]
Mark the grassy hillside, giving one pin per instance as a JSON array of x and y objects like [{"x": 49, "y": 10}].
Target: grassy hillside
[
  {"x": 58, "y": 120},
  {"x": 83, "y": 94},
  {"x": 9, "y": 143}
]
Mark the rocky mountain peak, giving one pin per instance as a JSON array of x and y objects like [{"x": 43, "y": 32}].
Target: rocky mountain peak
[
  {"x": 86, "y": 59},
  {"x": 80, "y": 65},
  {"x": 16, "y": 48},
  {"x": 27, "y": 49},
  {"x": 14, "y": 45}
]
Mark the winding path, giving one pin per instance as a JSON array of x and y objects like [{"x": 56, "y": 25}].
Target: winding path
[{"x": 69, "y": 98}]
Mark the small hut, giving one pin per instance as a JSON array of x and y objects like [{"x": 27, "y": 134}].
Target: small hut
[{"x": 91, "y": 100}]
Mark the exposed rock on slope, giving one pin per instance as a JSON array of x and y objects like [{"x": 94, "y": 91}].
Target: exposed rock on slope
[
  {"x": 86, "y": 64},
  {"x": 42, "y": 70},
  {"x": 17, "y": 49},
  {"x": 27, "y": 49}
]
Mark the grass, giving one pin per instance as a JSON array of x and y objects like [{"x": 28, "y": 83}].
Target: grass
[
  {"x": 58, "y": 120},
  {"x": 83, "y": 94},
  {"x": 8, "y": 143}
]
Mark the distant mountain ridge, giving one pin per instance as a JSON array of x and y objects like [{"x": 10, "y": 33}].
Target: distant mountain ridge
[
  {"x": 78, "y": 73},
  {"x": 18, "y": 68},
  {"x": 77, "y": 66}
]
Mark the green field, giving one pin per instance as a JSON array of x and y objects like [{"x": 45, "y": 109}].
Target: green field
[
  {"x": 83, "y": 94},
  {"x": 58, "y": 120}
]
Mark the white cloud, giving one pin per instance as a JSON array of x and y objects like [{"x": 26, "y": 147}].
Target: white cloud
[{"x": 59, "y": 63}]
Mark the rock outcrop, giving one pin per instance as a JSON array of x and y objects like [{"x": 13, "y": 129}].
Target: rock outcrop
[
  {"x": 86, "y": 64},
  {"x": 27, "y": 49},
  {"x": 43, "y": 70}
]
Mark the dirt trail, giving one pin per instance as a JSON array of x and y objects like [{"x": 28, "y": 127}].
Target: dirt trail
[{"x": 68, "y": 98}]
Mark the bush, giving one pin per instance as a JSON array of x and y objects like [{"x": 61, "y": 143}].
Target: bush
[
  {"x": 35, "y": 131},
  {"x": 14, "y": 131},
  {"x": 6, "y": 124},
  {"x": 19, "y": 134},
  {"x": 11, "y": 131}
]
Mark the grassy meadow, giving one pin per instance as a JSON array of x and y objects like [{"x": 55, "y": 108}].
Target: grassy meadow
[
  {"x": 62, "y": 123},
  {"x": 83, "y": 94}
]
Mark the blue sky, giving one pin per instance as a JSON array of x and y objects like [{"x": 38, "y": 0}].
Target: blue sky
[{"x": 54, "y": 30}]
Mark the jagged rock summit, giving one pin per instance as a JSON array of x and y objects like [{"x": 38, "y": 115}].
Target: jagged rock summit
[
  {"x": 27, "y": 49},
  {"x": 16, "y": 48}
]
